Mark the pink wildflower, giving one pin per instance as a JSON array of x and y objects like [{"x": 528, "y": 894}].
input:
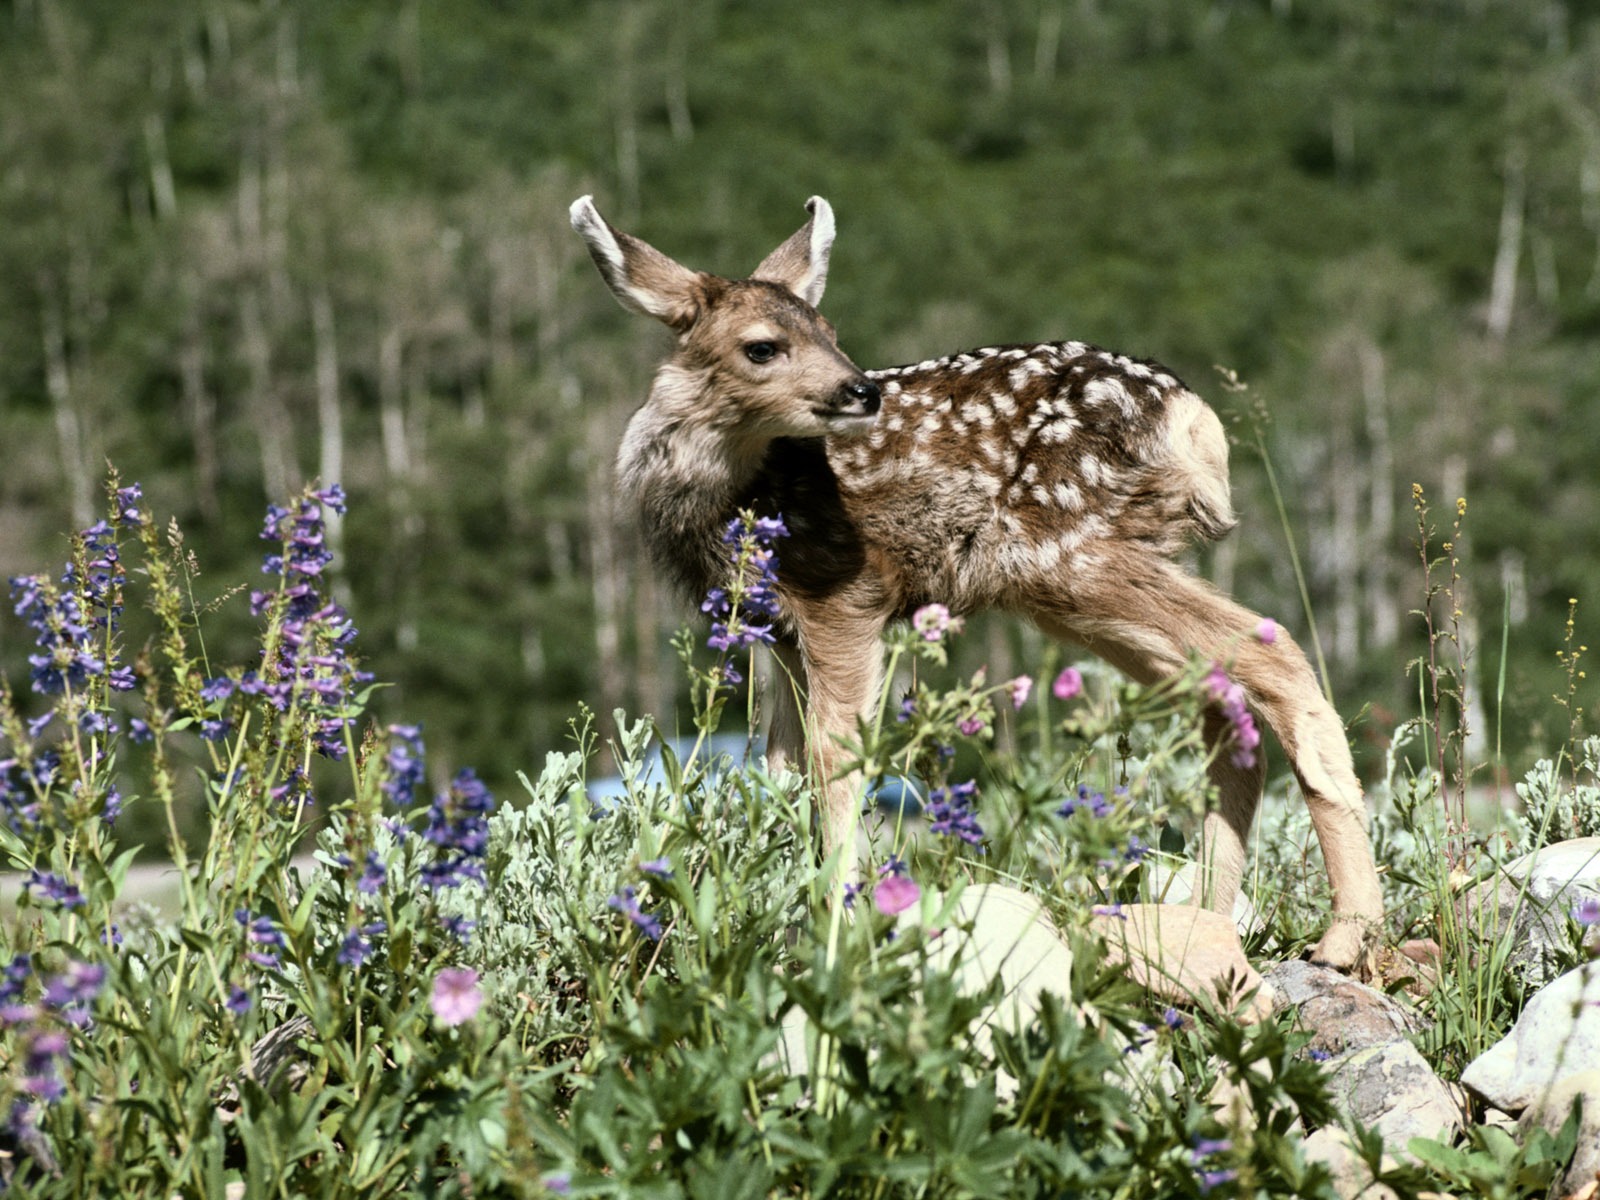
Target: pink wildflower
[
  {"x": 1020, "y": 688},
  {"x": 895, "y": 894},
  {"x": 1068, "y": 684},
  {"x": 1267, "y": 631},
  {"x": 1229, "y": 696},
  {"x": 933, "y": 621},
  {"x": 456, "y": 997}
]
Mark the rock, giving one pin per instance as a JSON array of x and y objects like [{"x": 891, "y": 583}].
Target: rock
[
  {"x": 1341, "y": 1013},
  {"x": 1392, "y": 1089},
  {"x": 1549, "y": 1111},
  {"x": 992, "y": 930},
  {"x": 1557, "y": 1035},
  {"x": 1331, "y": 1147},
  {"x": 1161, "y": 884},
  {"x": 1531, "y": 900},
  {"x": 1185, "y": 955}
]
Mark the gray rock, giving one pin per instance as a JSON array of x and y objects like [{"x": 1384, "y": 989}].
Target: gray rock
[
  {"x": 992, "y": 930},
  {"x": 1331, "y": 1147},
  {"x": 1530, "y": 901},
  {"x": 1341, "y": 1013},
  {"x": 1550, "y": 1111},
  {"x": 1557, "y": 1036},
  {"x": 1162, "y": 884},
  {"x": 1392, "y": 1089}
]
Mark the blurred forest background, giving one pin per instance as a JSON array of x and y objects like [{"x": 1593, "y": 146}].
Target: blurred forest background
[{"x": 244, "y": 245}]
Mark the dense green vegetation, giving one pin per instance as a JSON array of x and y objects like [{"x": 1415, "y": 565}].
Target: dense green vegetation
[{"x": 243, "y": 245}]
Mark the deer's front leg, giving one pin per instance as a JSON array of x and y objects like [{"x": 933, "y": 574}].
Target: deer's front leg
[
  {"x": 842, "y": 654},
  {"x": 785, "y": 694}
]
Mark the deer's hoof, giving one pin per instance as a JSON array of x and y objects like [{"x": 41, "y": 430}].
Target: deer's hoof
[{"x": 1351, "y": 946}]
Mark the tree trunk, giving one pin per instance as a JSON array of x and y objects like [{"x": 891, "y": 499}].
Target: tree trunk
[
  {"x": 1383, "y": 619},
  {"x": 1508, "y": 254},
  {"x": 330, "y": 428},
  {"x": 199, "y": 401},
  {"x": 69, "y": 426},
  {"x": 279, "y": 475}
]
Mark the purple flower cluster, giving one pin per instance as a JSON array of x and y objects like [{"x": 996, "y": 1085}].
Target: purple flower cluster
[
  {"x": 458, "y": 827},
  {"x": 357, "y": 945},
  {"x": 42, "y": 1037},
  {"x": 403, "y": 765},
  {"x": 54, "y": 887},
  {"x": 265, "y": 939},
  {"x": 743, "y": 613},
  {"x": 23, "y": 783},
  {"x": 313, "y": 660},
  {"x": 626, "y": 902},
  {"x": 950, "y": 812},
  {"x": 1229, "y": 696},
  {"x": 1210, "y": 1177},
  {"x": 1094, "y": 803},
  {"x": 73, "y": 624}
]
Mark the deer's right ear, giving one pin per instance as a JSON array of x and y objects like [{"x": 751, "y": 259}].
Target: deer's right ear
[{"x": 640, "y": 276}]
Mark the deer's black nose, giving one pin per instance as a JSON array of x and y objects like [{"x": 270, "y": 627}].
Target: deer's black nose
[{"x": 865, "y": 393}]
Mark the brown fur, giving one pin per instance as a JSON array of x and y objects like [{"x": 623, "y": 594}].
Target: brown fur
[{"x": 1054, "y": 480}]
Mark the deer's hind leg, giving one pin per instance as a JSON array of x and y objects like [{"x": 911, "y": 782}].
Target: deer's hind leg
[{"x": 1145, "y": 616}]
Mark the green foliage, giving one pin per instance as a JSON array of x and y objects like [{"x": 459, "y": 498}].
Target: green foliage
[
  {"x": 244, "y": 246},
  {"x": 653, "y": 992}
]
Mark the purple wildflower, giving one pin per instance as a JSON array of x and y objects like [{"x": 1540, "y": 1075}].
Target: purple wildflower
[
  {"x": 238, "y": 1001},
  {"x": 458, "y": 827},
  {"x": 971, "y": 726},
  {"x": 744, "y": 612},
  {"x": 72, "y": 991},
  {"x": 54, "y": 887},
  {"x": 950, "y": 812},
  {"x": 313, "y": 656},
  {"x": 661, "y": 867},
  {"x": 264, "y": 937},
  {"x": 1094, "y": 803},
  {"x": 626, "y": 902},
  {"x": 403, "y": 761},
  {"x": 356, "y": 947}
]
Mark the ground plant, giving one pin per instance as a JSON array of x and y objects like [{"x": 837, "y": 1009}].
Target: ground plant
[{"x": 380, "y": 979}]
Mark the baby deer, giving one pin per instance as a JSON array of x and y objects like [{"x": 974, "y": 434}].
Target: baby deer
[{"x": 1053, "y": 480}]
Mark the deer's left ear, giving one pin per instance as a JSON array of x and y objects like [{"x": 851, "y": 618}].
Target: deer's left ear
[{"x": 801, "y": 263}]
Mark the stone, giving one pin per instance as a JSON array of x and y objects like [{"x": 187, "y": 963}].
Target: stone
[
  {"x": 1530, "y": 901},
  {"x": 1557, "y": 1035},
  {"x": 991, "y": 930},
  {"x": 1161, "y": 884},
  {"x": 1341, "y": 1013},
  {"x": 1331, "y": 1147},
  {"x": 1392, "y": 1089},
  {"x": 1185, "y": 955},
  {"x": 1549, "y": 1111}
]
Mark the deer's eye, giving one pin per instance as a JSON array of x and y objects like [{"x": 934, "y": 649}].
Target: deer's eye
[{"x": 761, "y": 352}]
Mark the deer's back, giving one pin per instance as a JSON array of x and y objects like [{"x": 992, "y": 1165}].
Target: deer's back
[{"x": 986, "y": 470}]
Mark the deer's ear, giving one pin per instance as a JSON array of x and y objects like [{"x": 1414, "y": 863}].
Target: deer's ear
[
  {"x": 640, "y": 276},
  {"x": 801, "y": 263}
]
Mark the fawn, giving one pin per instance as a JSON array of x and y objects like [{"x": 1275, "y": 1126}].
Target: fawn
[{"x": 1053, "y": 480}]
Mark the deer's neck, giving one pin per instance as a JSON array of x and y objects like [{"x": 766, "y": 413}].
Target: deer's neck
[{"x": 686, "y": 475}]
